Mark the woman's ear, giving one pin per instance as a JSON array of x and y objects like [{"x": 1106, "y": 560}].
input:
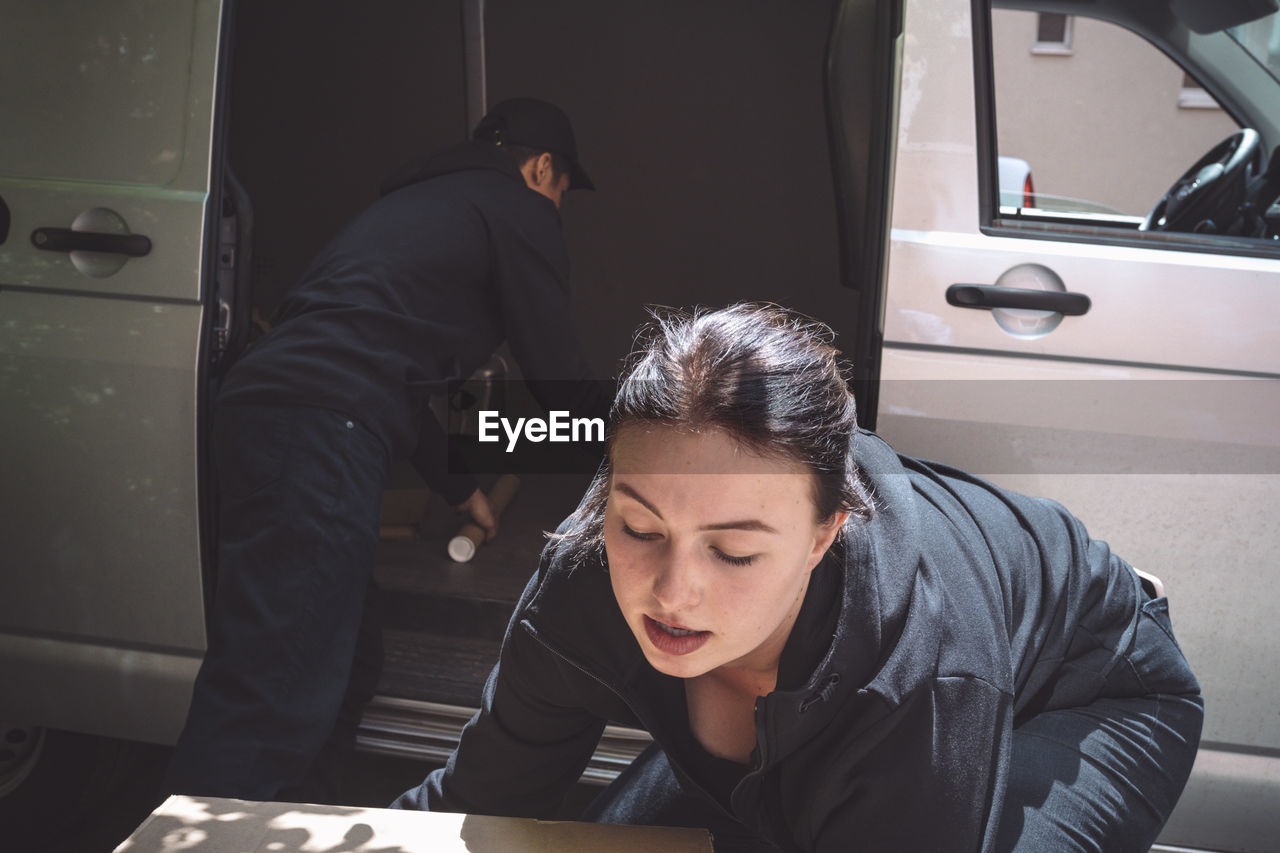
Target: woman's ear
[{"x": 827, "y": 532}]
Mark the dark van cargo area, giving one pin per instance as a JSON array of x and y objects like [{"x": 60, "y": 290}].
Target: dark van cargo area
[{"x": 704, "y": 129}]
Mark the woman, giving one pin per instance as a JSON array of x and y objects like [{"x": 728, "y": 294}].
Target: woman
[{"x": 833, "y": 647}]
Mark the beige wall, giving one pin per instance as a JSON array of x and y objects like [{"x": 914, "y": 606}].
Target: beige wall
[{"x": 1102, "y": 123}]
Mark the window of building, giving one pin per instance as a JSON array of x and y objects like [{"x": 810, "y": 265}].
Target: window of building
[
  {"x": 1192, "y": 95},
  {"x": 1053, "y": 33}
]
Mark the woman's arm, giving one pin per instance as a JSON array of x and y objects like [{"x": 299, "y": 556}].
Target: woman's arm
[{"x": 527, "y": 745}]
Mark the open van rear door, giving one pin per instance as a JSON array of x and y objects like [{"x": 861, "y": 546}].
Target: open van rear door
[
  {"x": 105, "y": 175},
  {"x": 1127, "y": 371}
]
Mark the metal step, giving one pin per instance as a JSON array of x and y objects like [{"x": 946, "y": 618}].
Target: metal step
[
  {"x": 429, "y": 731},
  {"x": 436, "y": 668}
]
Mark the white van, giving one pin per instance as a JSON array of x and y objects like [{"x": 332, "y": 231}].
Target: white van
[{"x": 167, "y": 168}]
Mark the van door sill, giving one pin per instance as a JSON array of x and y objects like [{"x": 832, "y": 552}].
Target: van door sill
[{"x": 429, "y": 731}]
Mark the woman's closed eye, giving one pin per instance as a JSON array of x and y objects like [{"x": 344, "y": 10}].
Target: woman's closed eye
[
  {"x": 720, "y": 555},
  {"x": 635, "y": 534},
  {"x": 732, "y": 560}
]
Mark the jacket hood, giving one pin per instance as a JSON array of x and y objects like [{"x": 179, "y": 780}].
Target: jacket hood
[
  {"x": 463, "y": 157},
  {"x": 854, "y": 654}
]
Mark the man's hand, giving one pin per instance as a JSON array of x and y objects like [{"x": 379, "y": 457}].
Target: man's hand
[{"x": 477, "y": 506}]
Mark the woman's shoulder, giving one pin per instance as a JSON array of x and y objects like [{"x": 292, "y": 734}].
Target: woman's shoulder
[
  {"x": 569, "y": 610},
  {"x": 572, "y": 577}
]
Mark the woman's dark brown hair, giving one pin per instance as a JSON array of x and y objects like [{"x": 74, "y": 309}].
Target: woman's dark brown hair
[{"x": 768, "y": 377}]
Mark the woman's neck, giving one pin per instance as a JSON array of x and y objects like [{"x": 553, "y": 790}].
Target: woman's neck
[
  {"x": 722, "y": 711},
  {"x": 722, "y": 704},
  {"x": 722, "y": 701},
  {"x": 744, "y": 681}
]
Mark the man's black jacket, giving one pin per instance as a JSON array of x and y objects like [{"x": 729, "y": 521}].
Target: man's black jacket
[
  {"x": 419, "y": 289},
  {"x": 957, "y": 612}
]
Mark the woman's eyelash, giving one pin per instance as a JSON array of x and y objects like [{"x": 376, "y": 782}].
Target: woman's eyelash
[
  {"x": 731, "y": 560},
  {"x": 643, "y": 537},
  {"x": 720, "y": 555}
]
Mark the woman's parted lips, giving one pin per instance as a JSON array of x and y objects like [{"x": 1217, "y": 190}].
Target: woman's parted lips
[
  {"x": 673, "y": 640},
  {"x": 672, "y": 627}
]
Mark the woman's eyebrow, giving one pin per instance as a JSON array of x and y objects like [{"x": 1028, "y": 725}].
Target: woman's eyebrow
[
  {"x": 750, "y": 524},
  {"x": 634, "y": 495}
]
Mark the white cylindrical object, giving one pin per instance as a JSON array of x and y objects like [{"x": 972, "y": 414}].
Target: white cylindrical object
[{"x": 461, "y": 548}]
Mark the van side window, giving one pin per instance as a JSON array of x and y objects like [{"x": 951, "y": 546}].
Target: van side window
[{"x": 1097, "y": 127}]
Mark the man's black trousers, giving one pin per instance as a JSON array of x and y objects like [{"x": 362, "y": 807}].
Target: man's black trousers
[{"x": 294, "y": 649}]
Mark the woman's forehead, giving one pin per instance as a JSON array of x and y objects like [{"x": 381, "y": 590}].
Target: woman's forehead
[{"x": 654, "y": 449}]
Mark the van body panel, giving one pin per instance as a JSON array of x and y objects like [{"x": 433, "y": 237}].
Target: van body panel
[
  {"x": 1207, "y": 313},
  {"x": 107, "y": 440},
  {"x": 117, "y": 93},
  {"x": 92, "y": 687},
  {"x": 100, "y": 362}
]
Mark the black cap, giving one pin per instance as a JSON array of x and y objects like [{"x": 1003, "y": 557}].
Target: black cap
[{"x": 534, "y": 124}]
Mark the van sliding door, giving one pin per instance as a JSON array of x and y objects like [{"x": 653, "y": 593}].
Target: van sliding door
[{"x": 108, "y": 110}]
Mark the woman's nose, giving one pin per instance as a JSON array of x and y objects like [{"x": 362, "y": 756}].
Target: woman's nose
[{"x": 676, "y": 587}]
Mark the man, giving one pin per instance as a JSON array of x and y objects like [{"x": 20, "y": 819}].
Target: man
[{"x": 462, "y": 251}]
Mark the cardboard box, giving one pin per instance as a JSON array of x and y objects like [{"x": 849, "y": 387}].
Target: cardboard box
[{"x": 212, "y": 825}]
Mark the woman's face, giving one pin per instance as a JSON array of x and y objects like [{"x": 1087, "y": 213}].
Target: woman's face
[{"x": 710, "y": 548}]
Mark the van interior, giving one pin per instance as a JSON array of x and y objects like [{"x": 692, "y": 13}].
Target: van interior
[{"x": 714, "y": 180}]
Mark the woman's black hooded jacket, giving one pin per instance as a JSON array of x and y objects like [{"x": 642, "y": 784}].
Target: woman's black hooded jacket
[{"x": 959, "y": 610}]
